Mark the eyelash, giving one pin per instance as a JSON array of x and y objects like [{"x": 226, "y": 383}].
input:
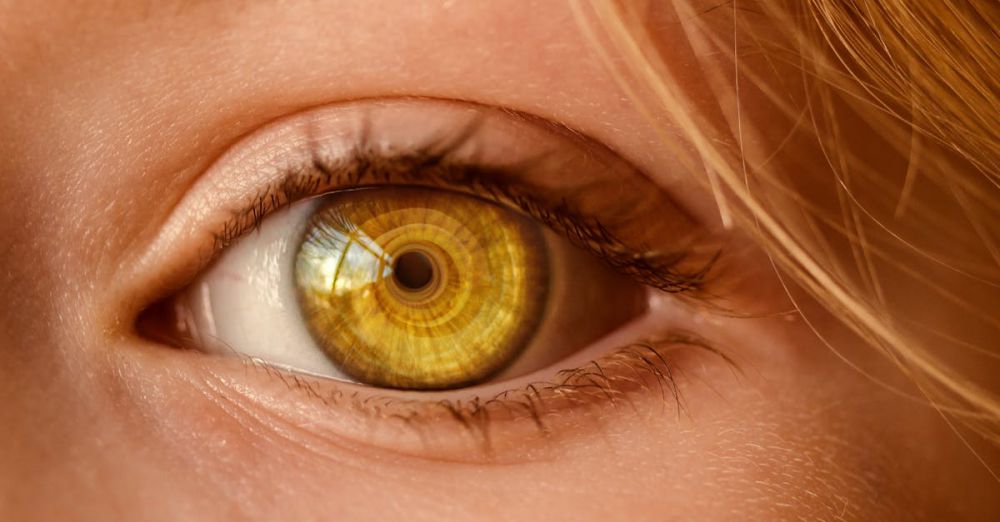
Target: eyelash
[
  {"x": 612, "y": 379},
  {"x": 428, "y": 167}
]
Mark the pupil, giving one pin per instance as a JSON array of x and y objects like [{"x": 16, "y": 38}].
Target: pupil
[{"x": 413, "y": 270}]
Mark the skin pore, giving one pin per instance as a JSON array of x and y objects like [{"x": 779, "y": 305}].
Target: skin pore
[{"x": 111, "y": 113}]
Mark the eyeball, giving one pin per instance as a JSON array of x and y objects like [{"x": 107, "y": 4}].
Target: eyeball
[{"x": 407, "y": 288}]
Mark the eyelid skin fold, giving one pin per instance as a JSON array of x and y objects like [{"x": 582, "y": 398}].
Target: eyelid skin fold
[{"x": 599, "y": 201}]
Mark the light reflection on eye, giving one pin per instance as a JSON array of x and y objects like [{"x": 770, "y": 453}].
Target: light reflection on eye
[{"x": 452, "y": 267}]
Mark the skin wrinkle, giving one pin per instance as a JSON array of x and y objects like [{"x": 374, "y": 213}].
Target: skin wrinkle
[
  {"x": 111, "y": 112},
  {"x": 777, "y": 455},
  {"x": 771, "y": 483}
]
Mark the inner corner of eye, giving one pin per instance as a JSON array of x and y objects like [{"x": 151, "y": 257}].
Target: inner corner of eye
[
  {"x": 162, "y": 322},
  {"x": 405, "y": 288}
]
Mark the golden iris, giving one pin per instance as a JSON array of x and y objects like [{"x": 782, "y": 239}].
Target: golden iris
[{"x": 419, "y": 288}]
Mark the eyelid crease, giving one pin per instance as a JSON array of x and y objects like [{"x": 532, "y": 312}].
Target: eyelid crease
[
  {"x": 270, "y": 168},
  {"x": 615, "y": 380},
  {"x": 432, "y": 166}
]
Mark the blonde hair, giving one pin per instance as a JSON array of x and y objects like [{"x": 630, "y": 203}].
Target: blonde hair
[{"x": 919, "y": 203}]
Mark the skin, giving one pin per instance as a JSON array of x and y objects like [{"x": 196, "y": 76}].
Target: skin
[{"x": 111, "y": 112}]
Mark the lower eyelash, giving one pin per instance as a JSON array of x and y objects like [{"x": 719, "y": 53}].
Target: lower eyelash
[{"x": 612, "y": 380}]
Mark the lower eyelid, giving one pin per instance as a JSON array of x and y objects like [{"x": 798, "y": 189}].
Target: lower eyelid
[
  {"x": 518, "y": 425},
  {"x": 282, "y": 156}
]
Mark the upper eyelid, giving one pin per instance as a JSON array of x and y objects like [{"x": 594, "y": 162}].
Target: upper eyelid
[
  {"x": 263, "y": 157},
  {"x": 654, "y": 271}
]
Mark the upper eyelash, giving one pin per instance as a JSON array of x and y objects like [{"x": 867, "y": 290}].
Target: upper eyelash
[{"x": 659, "y": 270}]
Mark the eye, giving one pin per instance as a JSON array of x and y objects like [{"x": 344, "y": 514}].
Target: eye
[
  {"x": 429, "y": 246},
  {"x": 407, "y": 288}
]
